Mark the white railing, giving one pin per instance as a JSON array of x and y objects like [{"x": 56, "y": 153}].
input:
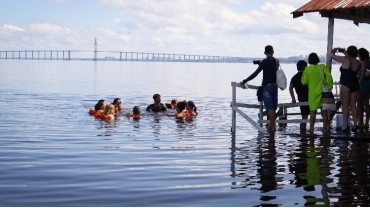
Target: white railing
[{"x": 282, "y": 114}]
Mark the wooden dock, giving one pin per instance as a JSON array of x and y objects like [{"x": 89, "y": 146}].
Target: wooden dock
[{"x": 282, "y": 113}]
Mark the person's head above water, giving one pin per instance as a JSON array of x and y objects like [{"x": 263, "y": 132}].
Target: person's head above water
[
  {"x": 174, "y": 102},
  {"x": 181, "y": 106},
  {"x": 100, "y": 105},
  {"x": 157, "y": 98},
  {"x": 117, "y": 101},
  {"x": 191, "y": 106},
  {"x": 136, "y": 110},
  {"x": 109, "y": 109}
]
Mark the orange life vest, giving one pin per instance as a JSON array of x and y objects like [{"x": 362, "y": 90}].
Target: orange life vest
[{"x": 169, "y": 105}]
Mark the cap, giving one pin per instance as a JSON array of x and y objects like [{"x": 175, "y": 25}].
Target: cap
[{"x": 191, "y": 103}]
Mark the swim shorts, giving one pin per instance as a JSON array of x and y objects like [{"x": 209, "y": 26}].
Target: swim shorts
[{"x": 270, "y": 96}]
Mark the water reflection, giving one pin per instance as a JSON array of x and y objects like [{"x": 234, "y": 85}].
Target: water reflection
[{"x": 353, "y": 177}]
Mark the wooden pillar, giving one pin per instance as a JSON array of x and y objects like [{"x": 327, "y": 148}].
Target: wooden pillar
[
  {"x": 233, "y": 120},
  {"x": 330, "y": 41},
  {"x": 260, "y": 115}
]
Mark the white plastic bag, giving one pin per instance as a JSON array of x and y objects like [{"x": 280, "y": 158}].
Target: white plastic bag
[{"x": 280, "y": 77}]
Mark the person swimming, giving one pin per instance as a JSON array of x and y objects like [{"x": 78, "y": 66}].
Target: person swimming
[
  {"x": 179, "y": 110},
  {"x": 191, "y": 108},
  {"x": 172, "y": 104},
  {"x": 136, "y": 113},
  {"x": 117, "y": 104},
  {"x": 98, "y": 109},
  {"x": 109, "y": 112},
  {"x": 157, "y": 106}
]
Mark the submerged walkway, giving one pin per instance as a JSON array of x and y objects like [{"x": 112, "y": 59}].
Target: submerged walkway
[{"x": 282, "y": 115}]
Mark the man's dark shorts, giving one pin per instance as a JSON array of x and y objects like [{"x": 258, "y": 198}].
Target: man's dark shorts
[
  {"x": 270, "y": 96},
  {"x": 305, "y": 110}
]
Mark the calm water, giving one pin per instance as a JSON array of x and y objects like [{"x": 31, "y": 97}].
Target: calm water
[{"x": 54, "y": 154}]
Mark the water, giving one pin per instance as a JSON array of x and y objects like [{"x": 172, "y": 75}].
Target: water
[{"x": 54, "y": 154}]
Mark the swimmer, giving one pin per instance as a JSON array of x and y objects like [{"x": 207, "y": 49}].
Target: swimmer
[
  {"x": 98, "y": 109},
  {"x": 172, "y": 104},
  {"x": 135, "y": 113},
  {"x": 157, "y": 106},
  {"x": 110, "y": 112},
  {"x": 191, "y": 108},
  {"x": 100, "y": 106},
  {"x": 179, "y": 109},
  {"x": 117, "y": 104}
]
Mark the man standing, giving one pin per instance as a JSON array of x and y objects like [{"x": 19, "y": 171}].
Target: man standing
[
  {"x": 269, "y": 66},
  {"x": 157, "y": 106}
]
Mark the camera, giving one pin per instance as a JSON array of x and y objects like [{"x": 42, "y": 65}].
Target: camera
[
  {"x": 256, "y": 62},
  {"x": 341, "y": 50}
]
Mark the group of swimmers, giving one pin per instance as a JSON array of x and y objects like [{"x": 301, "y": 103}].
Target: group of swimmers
[{"x": 109, "y": 112}]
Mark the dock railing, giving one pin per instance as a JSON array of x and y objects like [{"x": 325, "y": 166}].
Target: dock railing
[{"x": 282, "y": 113}]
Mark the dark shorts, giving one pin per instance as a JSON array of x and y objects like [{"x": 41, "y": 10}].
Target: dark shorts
[
  {"x": 270, "y": 96},
  {"x": 305, "y": 110}
]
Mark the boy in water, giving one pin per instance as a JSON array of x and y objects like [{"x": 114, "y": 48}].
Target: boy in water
[
  {"x": 135, "y": 112},
  {"x": 269, "y": 66},
  {"x": 301, "y": 91}
]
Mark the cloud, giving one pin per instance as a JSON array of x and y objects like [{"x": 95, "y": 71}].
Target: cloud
[
  {"x": 13, "y": 28},
  {"x": 50, "y": 29},
  {"x": 204, "y": 27}
]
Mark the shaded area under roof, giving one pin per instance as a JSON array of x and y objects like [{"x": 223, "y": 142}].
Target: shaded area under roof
[{"x": 355, "y": 10}]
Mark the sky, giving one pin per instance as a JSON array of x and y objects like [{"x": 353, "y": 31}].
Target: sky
[{"x": 240, "y": 28}]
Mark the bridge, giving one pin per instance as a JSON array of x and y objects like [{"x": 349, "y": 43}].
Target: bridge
[{"x": 116, "y": 56}]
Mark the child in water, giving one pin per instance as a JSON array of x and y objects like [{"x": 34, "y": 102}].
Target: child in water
[
  {"x": 180, "y": 107},
  {"x": 135, "y": 113},
  {"x": 110, "y": 112},
  {"x": 171, "y": 105}
]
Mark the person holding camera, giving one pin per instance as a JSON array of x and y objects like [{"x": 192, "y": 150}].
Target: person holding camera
[
  {"x": 349, "y": 84},
  {"x": 269, "y": 66}
]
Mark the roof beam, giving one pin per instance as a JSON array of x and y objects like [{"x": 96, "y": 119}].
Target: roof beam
[{"x": 355, "y": 18}]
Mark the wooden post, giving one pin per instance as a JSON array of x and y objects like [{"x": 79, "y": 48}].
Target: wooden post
[
  {"x": 233, "y": 121},
  {"x": 330, "y": 41},
  {"x": 260, "y": 115}
]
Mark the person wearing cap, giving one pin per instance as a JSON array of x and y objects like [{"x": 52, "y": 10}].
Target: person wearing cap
[
  {"x": 269, "y": 66},
  {"x": 191, "y": 108},
  {"x": 157, "y": 106}
]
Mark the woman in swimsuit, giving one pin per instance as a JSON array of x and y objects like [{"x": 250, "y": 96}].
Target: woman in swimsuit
[{"x": 349, "y": 84}]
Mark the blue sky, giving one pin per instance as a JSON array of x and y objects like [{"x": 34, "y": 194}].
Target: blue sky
[{"x": 207, "y": 27}]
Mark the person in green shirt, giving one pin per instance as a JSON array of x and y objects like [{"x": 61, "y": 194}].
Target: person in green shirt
[{"x": 311, "y": 77}]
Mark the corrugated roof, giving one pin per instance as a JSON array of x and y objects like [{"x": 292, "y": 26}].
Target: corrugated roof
[{"x": 330, "y": 5}]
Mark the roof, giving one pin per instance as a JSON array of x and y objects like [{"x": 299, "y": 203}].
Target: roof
[{"x": 356, "y": 10}]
